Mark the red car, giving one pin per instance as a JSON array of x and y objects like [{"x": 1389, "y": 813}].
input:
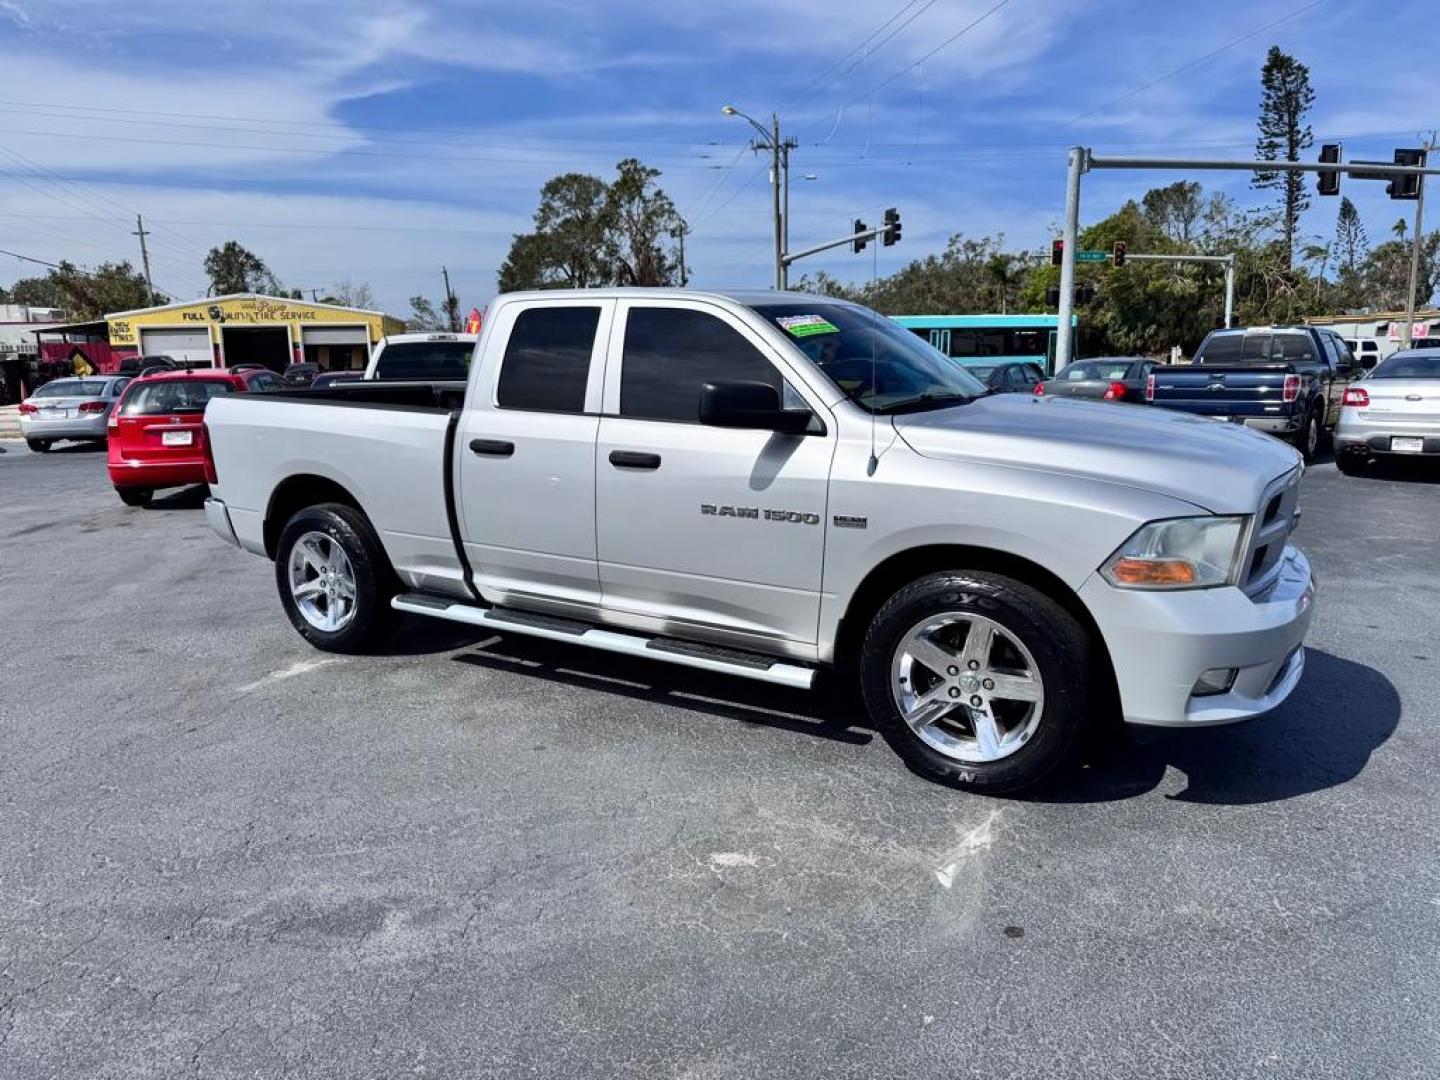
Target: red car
[{"x": 157, "y": 434}]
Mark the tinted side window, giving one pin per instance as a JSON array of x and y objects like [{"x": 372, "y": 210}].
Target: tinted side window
[
  {"x": 547, "y": 360},
  {"x": 670, "y": 353}
]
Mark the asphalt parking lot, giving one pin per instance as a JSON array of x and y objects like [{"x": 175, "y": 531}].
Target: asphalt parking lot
[{"x": 225, "y": 854}]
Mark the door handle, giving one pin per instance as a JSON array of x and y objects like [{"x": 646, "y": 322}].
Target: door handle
[
  {"x": 633, "y": 459},
  {"x": 492, "y": 447}
]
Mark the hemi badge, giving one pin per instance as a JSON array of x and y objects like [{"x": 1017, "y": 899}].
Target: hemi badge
[{"x": 844, "y": 521}]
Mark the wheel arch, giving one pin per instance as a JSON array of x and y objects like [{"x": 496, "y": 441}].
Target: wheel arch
[
  {"x": 906, "y": 566},
  {"x": 294, "y": 494}
]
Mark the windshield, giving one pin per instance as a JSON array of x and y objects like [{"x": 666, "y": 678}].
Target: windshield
[
  {"x": 171, "y": 396},
  {"x": 72, "y": 388},
  {"x": 878, "y": 365},
  {"x": 425, "y": 360},
  {"x": 1408, "y": 366},
  {"x": 1096, "y": 369}
]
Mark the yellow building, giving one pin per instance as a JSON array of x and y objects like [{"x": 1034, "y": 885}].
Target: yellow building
[{"x": 246, "y": 328}]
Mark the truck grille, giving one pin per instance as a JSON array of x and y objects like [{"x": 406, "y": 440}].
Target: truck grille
[{"x": 1269, "y": 533}]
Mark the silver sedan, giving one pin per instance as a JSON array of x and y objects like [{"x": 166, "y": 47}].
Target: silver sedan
[
  {"x": 1394, "y": 411},
  {"x": 76, "y": 409}
]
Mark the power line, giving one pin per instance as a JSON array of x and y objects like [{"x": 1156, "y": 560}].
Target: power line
[
  {"x": 1197, "y": 62},
  {"x": 859, "y": 50},
  {"x": 938, "y": 48}
]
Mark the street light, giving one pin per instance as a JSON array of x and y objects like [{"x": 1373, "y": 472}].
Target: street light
[{"x": 779, "y": 160}]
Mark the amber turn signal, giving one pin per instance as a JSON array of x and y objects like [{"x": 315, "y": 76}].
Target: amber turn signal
[{"x": 1152, "y": 572}]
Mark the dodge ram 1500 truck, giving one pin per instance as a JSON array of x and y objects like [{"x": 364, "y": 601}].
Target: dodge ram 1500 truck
[{"x": 772, "y": 484}]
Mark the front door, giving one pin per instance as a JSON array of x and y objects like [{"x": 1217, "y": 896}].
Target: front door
[
  {"x": 705, "y": 531},
  {"x": 525, "y": 459}
]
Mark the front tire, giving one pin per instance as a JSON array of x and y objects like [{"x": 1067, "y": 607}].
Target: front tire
[
  {"x": 977, "y": 680},
  {"x": 132, "y": 496},
  {"x": 334, "y": 579},
  {"x": 40, "y": 446}
]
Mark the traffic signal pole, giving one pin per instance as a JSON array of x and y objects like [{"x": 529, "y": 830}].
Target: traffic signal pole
[
  {"x": 1064, "y": 347},
  {"x": 1083, "y": 161},
  {"x": 1415, "y": 242}
]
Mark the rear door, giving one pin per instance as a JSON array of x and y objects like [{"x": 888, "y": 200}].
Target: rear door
[
  {"x": 709, "y": 531},
  {"x": 525, "y": 454}
]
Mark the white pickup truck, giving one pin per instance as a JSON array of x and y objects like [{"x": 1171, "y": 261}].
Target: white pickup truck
[{"x": 770, "y": 484}]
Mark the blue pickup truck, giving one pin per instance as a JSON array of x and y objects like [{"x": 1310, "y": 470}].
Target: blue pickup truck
[{"x": 1285, "y": 380}]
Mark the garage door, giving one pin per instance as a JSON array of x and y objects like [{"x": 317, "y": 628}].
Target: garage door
[
  {"x": 190, "y": 347},
  {"x": 334, "y": 335}
]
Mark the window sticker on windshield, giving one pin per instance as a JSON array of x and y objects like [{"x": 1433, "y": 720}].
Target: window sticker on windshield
[{"x": 806, "y": 325}]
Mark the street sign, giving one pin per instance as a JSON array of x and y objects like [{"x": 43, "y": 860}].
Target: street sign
[{"x": 1091, "y": 256}]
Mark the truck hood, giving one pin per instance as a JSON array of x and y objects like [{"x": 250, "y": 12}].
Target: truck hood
[{"x": 1220, "y": 467}]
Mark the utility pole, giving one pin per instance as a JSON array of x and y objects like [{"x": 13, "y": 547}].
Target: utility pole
[
  {"x": 779, "y": 182},
  {"x": 145, "y": 256},
  {"x": 452, "y": 310},
  {"x": 679, "y": 234},
  {"x": 775, "y": 182},
  {"x": 1415, "y": 243}
]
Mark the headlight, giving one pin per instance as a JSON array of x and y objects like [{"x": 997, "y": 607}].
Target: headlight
[{"x": 1179, "y": 553}]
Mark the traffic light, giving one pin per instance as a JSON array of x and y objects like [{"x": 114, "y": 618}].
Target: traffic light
[
  {"x": 892, "y": 226},
  {"x": 1084, "y": 294},
  {"x": 1052, "y": 296},
  {"x": 1081, "y": 294},
  {"x": 1057, "y": 252},
  {"x": 1406, "y": 187},
  {"x": 1119, "y": 258},
  {"x": 859, "y": 244},
  {"x": 1327, "y": 182}
]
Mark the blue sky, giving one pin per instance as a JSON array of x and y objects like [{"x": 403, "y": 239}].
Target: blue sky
[{"x": 376, "y": 141}]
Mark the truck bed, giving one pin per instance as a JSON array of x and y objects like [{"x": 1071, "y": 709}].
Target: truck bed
[{"x": 390, "y": 444}]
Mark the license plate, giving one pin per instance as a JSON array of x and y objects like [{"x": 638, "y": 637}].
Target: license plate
[
  {"x": 1406, "y": 444},
  {"x": 177, "y": 438}
]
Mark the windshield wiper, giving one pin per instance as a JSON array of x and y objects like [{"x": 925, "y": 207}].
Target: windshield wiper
[{"x": 925, "y": 401}]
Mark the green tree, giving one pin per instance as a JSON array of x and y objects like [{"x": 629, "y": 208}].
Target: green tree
[
  {"x": 1351, "y": 243},
  {"x": 423, "y": 315},
  {"x": 1176, "y": 210},
  {"x": 235, "y": 269},
  {"x": 1285, "y": 98},
  {"x": 37, "y": 292},
  {"x": 1386, "y": 275},
  {"x": 589, "y": 233}
]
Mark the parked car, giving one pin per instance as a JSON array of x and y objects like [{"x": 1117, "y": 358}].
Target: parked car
[
  {"x": 134, "y": 365},
  {"x": 157, "y": 439},
  {"x": 1007, "y": 376},
  {"x": 301, "y": 374},
  {"x": 74, "y": 409},
  {"x": 1392, "y": 411},
  {"x": 701, "y": 488},
  {"x": 427, "y": 357},
  {"x": 1108, "y": 378},
  {"x": 331, "y": 378},
  {"x": 1284, "y": 380}
]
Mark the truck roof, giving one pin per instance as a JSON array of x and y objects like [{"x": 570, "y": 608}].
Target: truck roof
[{"x": 739, "y": 296}]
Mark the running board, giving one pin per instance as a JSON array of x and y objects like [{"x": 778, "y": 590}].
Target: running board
[{"x": 669, "y": 650}]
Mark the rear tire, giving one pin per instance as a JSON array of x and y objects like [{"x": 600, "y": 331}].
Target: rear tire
[
  {"x": 334, "y": 579},
  {"x": 1307, "y": 439},
  {"x": 1008, "y": 712},
  {"x": 133, "y": 496},
  {"x": 40, "y": 446}
]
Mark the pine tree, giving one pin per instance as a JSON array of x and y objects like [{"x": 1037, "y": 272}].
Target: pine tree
[
  {"x": 1351, "y": 243},
  {"x": 1285, "y": 98}
]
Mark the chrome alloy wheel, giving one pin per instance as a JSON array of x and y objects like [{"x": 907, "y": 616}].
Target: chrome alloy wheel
[
  {"x": 322, "y": 582},
  {"x": 967, "y": 687}
]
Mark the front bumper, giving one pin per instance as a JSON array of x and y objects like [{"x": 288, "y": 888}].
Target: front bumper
[
  {"x": 217, "y": 516},
  {"x": 89, "y": 427},
  {"x": 1161, "y": 642}
]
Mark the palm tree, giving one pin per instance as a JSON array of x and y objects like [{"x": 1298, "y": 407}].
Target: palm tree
[{"x": 1003, "y": 270}]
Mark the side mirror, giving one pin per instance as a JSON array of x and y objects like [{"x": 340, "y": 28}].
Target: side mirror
[{"x": 754, "y": 405}]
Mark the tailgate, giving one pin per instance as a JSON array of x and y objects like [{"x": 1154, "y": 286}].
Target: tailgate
[{"x": 1239, "y": 391}]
